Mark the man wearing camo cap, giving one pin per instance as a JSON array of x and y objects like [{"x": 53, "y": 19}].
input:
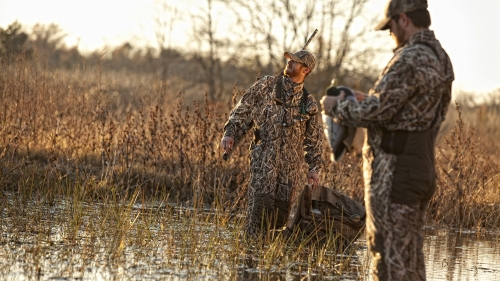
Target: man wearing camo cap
[
  {"x": 286, "y": 132},
  {"x": 403, "y": 113}
]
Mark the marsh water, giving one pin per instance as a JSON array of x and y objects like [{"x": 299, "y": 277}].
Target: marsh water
[
  {"x": 454, "y": 254},
  {"x": 79, "y": 241}
]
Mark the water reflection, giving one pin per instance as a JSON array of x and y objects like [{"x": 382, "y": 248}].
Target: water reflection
[
  {"x": 454, "y": 254},
  {"x": 76, "y": 241}
]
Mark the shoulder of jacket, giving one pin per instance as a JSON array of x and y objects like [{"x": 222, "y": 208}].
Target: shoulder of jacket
[
  {"x": 267, "y": 81},
  {"x": 311, "y": 98},
  {"x": 266, "y": 78},
  {"x": 419, "y": 49},
  {"x": 311, "y": 105}
]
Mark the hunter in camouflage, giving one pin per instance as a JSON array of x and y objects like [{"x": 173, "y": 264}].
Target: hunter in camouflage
[
  {"x": 286, "y": 131},
  {"x": 402, "y": 113}
]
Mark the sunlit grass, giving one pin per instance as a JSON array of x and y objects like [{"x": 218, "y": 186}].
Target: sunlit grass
[
  {"x": 104, "y": 173},
  {"x": 75, "y": 237}
]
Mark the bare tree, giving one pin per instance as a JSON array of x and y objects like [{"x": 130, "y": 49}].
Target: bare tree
[
  {"x": 165, "y": 16},
  {"x": 208, "y": 48},
  {"x": 271, "y": 27},
  {"x": 47, "y": 42},
  {"x": 46, "y": 39},
  {"x": 12, "y": 39}
]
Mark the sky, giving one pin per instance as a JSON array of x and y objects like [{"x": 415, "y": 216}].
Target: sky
[{"x": 467, "y": 29}]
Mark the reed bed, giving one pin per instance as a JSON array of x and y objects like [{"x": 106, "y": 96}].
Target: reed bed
[
  {"x": 69, "y": 125},
  {"x": 91, "y": 163},
  {"x": 140, "y": 237},
  {"x": 103, "y": 184},
  {"x": 468, "y": 193}
]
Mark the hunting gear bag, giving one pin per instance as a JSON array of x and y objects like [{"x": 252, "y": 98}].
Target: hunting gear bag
[{"x": 340, "y": 216}]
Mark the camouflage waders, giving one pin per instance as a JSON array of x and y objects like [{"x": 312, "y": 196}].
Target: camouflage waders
[{"x": 286, "y": 134}]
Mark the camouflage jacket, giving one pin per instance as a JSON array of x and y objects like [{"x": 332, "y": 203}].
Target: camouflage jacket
[
  {"x": 285, "y": 134},
  {"x": 412, "y": 93}
]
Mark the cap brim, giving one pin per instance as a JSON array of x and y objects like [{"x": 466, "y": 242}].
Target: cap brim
[
  {"x": 293, "y": 57},
  {"x": 383, "y": 24}
]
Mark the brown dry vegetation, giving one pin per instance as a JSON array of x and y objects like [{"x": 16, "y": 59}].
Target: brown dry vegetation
[
  {"x": 468, "y": 194},
  {"x": 88, "y": 163},
  {"x": 114, "y": 133}
]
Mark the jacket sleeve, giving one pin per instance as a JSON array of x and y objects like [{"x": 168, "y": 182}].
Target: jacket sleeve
[
  {"x": 313, "y": 140},
  {"x": 382, "y": 103},
  {"x": 240, "y": 118}
]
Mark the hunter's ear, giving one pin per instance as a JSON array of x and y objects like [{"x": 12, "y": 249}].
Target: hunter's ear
[
  {"x": 404, "y": 19},
  {"x": 306, "y": 70}
]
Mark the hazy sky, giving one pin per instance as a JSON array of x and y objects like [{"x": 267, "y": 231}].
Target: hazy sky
[{"x": 467, "y": 29}]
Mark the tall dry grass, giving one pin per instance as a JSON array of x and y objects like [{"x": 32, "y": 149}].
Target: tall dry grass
[
  {"x": 112, "y": 134},
  {"x": 468, "y": 193},
  {"x": 69, "y": 125},
  {"x": 89, "y": 160}
]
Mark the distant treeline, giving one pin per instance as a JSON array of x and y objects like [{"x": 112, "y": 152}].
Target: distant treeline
[
  {"x": 45, "y": 44},
  {"x": 217, "y": 59}
]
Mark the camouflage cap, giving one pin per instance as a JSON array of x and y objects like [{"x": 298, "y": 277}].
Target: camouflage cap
[
  {"x": 302, "y": 56},
  {"x": 396, "y": 7}
]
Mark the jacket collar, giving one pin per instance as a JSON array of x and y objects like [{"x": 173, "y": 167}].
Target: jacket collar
[
  {"x": 291, "y": 87},
  {"x": 421, "y": 36}
]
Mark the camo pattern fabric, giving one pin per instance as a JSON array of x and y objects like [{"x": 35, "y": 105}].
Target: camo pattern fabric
[
  {"x": 406, "y": 248},
  {"x": 286, "y": 137},
  {"x": 412, "y": 93}
]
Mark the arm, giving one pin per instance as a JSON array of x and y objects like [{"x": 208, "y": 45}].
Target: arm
[
  {"x": 240, "y": 118},
  {"x": 313, "y": 139},
  {"x": 388, "y": 97}
]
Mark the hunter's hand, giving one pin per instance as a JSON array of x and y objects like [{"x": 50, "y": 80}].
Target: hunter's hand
[
  {"x": 313, "y": 178},
  {"x": 360, "y": 96},
  {"x": 327, "y": 102},
  {"x": 227, "y": 143}
]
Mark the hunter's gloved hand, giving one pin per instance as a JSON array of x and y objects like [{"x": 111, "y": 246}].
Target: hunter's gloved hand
[
  {"x": 227, "y": 143},
  {"x": 313, "y": 178},
  {"x": 327, "y": 102},
  {"x": 360, "y": 96}
]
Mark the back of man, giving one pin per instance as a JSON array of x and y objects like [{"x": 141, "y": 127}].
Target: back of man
[
  {"x": 403, "y": 113},
  {"x": 401, "y": 159}
]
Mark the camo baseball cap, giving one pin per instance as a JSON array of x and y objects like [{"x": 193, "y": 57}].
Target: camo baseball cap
[
  {"x": 396, "y": 7},
  {"x": 302, "y": 56}
]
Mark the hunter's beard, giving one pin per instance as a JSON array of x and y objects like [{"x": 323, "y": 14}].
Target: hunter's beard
[
  {"x": 291, "y": 71},
  {"x": 398, "y": 34}
]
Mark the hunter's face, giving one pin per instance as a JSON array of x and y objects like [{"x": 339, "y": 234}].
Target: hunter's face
[{"x": 294, "y": 68}]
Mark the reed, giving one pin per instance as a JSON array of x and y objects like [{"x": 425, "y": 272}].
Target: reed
[
  {"x": 468, "y": 179},
  {"x": 74, "y": 236},
  {"x": 109, "y": 172},
  {"x": 117, "y": 130}
]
